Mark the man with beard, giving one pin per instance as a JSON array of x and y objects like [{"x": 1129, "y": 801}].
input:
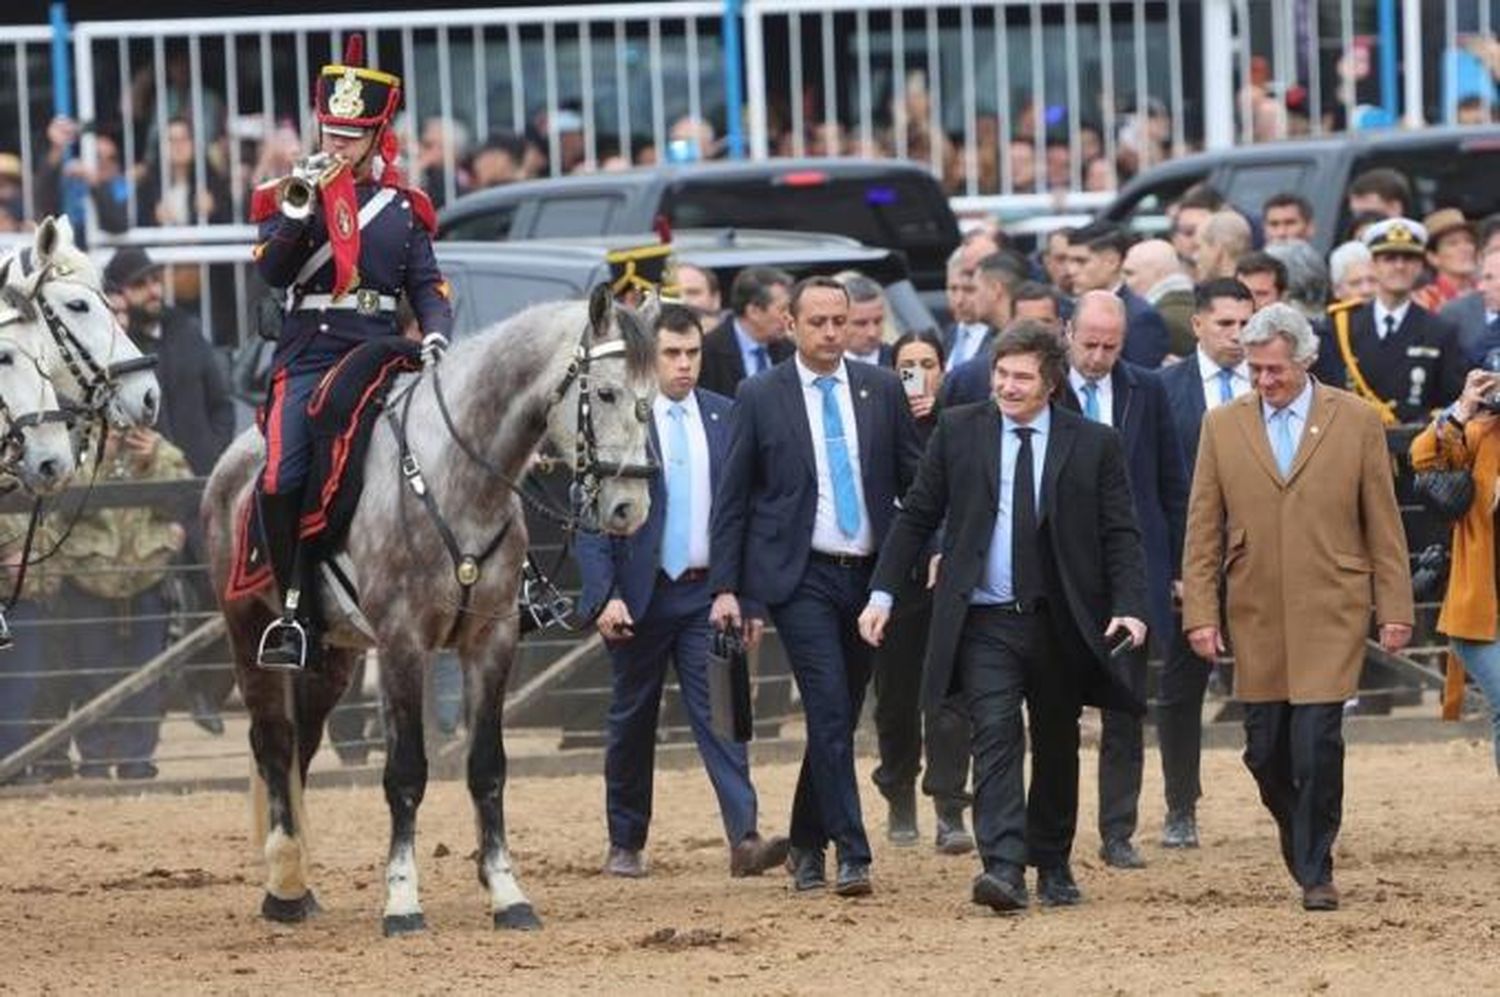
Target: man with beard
[{"x": 197, "y": 417}]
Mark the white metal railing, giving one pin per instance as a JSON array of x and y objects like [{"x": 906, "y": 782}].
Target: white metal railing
[{"x": 25, "y": 73}]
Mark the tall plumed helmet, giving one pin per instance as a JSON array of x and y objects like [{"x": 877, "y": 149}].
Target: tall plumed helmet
[{"x": 353, "y": 99}]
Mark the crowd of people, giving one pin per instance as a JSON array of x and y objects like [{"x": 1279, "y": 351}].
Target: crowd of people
[{"x": 1034, "y": 557}]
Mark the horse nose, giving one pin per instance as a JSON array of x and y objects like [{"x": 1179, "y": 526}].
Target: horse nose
[
  {"x": 149, "y": 403},
  {"x": 49, "y": 470}
]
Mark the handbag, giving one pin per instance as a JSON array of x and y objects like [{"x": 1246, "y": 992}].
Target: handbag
[
  {"x": 1447, "y": 493},
  {"x": 729, "y": 710}
]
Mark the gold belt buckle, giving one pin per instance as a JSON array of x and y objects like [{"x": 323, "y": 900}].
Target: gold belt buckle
[{"x": 367, "y": 301}]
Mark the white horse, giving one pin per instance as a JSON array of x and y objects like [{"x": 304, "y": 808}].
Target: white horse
[
  {"x": 56, "y": 292},
  {"x": 577, "y": 373},
  {"x": 36, "y": 442}
]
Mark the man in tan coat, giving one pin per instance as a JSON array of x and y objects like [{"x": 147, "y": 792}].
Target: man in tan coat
[{"x": 1293, "y": 507}]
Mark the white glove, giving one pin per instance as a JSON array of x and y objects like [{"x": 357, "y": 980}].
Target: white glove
[{"x": 434, "y": 345}]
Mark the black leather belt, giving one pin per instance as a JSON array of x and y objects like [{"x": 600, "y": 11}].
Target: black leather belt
[
  {"x": 1016, "y": 607},
  {"x": 689, "y": 575},
  {"x": 843, "y": 560}
]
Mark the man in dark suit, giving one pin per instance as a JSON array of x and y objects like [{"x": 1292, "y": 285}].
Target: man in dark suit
[
  {"x": 655, "y": 595},
  {"x": 1042, "y": 566},
  {"x": 1476, "y": 315},
  {"x": 1407, "y": 361},
  {"x": 820, "y": 451},
  {"x": 1096, "y": 257},
  {"x": 1214, "y": 374},
  {"x": 866, "y": 319},
  {"x": 1117, "y": 393},
  {"x": 753, "y": 338},
  {"x": 970, "y": 381}
]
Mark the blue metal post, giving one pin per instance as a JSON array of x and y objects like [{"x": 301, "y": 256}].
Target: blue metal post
[
  {"x": 1390, "y": 51},
  {"x": 734, "y": 58},
  {"x": 73, "y": 191}
]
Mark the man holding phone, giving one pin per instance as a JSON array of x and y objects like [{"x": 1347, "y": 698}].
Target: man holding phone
[
  {"x": 1042, "y": 571},
  {"x": 654, "y": 586}
]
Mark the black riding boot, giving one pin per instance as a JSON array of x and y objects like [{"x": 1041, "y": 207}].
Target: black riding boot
[{"x": 289, "y": 642}]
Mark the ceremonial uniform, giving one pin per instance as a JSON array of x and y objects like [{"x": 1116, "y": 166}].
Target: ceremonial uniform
[
  {"x": 1403, "y": 360},
  {"x": 347, "y": 242}
]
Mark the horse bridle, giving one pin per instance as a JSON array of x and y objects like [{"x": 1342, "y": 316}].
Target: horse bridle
[
  {"x": 98, "y": 382},
  {"x": 589, "y": 474},
  {"x": 12, "y": 440}
]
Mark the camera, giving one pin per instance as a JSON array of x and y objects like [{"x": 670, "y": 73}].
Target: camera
[{"x": 912, "y": 382}]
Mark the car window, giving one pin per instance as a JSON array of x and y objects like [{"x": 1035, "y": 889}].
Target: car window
[
  {"x": 484, "y": 296},
  {"x": 491, "y": 225},
  {"x": 1447, "y": 176},
  {"x": 1146, "y": 210},
  {"x": 562, "y": 217},
  {"x": 1251, "y": 184}
]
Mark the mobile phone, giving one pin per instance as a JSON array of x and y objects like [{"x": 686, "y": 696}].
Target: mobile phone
[
  {"x": 911, "y": 382},
  {"x": 1122, "y": 645}
]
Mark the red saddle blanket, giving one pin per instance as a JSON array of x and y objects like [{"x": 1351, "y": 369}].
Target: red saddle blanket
[{"x": 343, "y": 411}]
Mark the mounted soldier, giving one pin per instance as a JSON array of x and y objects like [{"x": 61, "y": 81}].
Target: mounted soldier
[{"x": 347, "y": 237}]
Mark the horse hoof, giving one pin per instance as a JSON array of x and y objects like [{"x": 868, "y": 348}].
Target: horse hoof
[
  {"x": 273, "y": 908},
  {"x": 518, "y": 917},
  {"x": 394, "y": 925}
]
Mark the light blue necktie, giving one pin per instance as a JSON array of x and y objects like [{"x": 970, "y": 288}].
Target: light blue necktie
[
  {"x": 1226, "y": 385},
  {"x": 1281, "y": 439},
  {"x": 836, "y": 446},
  {"x": 674, "y": 550},
  {"x": 1091, "y": 400},
  {"x": 762, "y": 359}
]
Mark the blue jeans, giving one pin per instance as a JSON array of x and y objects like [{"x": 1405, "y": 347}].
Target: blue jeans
[{"x": 1482, "y": 660}]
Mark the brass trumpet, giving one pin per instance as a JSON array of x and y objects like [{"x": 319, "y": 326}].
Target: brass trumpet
[{"x": 299, "y": 190}]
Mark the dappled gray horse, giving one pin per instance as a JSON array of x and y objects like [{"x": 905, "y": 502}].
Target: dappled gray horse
[{"x": 576, "y": 373}]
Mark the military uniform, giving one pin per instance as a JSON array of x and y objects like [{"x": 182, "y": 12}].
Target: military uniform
[
  {"x": 347, "y": 244},
  {"x": 1409, "y": 366}
]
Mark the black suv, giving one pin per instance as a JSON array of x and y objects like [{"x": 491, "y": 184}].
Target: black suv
[
  {"x": 1447, "y": 167},
  {"x": 886, "y": 203}
]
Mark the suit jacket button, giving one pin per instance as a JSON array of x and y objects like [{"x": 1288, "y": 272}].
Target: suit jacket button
[{"x": 322, "y": 326}]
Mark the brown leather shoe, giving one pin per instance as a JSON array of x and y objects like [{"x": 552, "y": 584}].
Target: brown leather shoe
[
  {"x": 754, "y": 855},
  {"x": 1324, "y": 896},
  {"x": 624, "y": 862}
]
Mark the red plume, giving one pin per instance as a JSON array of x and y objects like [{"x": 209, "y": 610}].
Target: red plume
[{"x": 354, "y": 50}]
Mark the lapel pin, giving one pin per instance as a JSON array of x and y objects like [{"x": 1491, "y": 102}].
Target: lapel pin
[
  {"x": 864, "y": 392},
  {"x": 714, "y": 416},
  {"x": 1314, "y": 430}
]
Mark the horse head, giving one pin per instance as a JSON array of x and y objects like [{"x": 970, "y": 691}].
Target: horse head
[
  {"x": 602, "y": 416},
  {"x": 55, "y": 285},
  {"x": 36, "y": 444}
]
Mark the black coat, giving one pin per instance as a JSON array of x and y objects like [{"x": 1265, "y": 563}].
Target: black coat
[
  {"x": 1421, "y": 367},
  {"x": 1091, "y": 547},
  {"x": 197, "y": 413},
  {"x": 723, "y": 367}
]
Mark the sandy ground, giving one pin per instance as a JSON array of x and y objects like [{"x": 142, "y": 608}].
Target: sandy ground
[{"x": 160, "y": 893}]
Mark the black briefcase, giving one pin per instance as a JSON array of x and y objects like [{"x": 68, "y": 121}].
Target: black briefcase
[{"x": 729, "y": 687}]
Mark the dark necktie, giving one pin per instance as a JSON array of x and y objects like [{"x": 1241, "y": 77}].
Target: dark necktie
[
  {"x": 1025, "y": 551},
  {"x": 1390, "y": 326},
  {"x": 762, "y": 359}
]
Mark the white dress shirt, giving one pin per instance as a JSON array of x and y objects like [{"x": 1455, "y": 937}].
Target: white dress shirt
[
  {"x": 698, "y": 454},
  {"x": 1106, "y": 392},
  {"x": 1208, "y": 370},
  {"x": 966, "y": 342},
  {"x": 1299, "y": 409},
  {"x": 827, "y": 537},
  {"x": 1399, "y": 314}
]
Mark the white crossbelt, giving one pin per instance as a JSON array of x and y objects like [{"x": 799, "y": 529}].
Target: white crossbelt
[
  {"x": 351, "y": 302},
  {"x": 324, "y": 253}
]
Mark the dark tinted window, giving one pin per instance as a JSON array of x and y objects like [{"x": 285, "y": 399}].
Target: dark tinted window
[
  {"x": 561, "y": 217},
  {"x": 483, "y": 296},
  {"x": 1146, "y": 209},
  {"x": 1251, "y": 184},
  {"x": 1455, "y": 176},
  {"x": 487, "y": 226}
]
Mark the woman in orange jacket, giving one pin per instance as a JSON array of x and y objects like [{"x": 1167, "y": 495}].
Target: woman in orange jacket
[{"x": 1467, "y": 435}]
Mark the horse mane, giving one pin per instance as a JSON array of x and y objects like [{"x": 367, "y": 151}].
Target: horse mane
[{"x": 640, "y": 346}]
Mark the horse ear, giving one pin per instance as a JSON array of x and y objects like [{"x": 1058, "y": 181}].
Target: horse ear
[
  {"x": 601, "y": 301},
  {"x": 649, "y": 309},
  {"x": 47, "y": 236}
]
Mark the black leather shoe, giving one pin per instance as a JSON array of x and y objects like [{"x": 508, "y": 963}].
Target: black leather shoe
[
  {"x": 1118, "y": 853},
  {"x": 754, "y": 855},
  {"x": 807, "y": 868},
  {"x": 1180, "y": 830},
  {"x": 1322, "y": 897},
  {"x": 1056, "y": 887},
  {"x": 1002, "y": 890},
  {"x": 854, "y": 880},
  {"x": 901, "y": 824}
]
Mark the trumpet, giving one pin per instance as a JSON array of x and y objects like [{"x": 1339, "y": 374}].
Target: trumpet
[{"x": 298, "y": 191}]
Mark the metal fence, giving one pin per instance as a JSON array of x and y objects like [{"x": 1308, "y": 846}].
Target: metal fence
[{"x": 1003, "y": 98}]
